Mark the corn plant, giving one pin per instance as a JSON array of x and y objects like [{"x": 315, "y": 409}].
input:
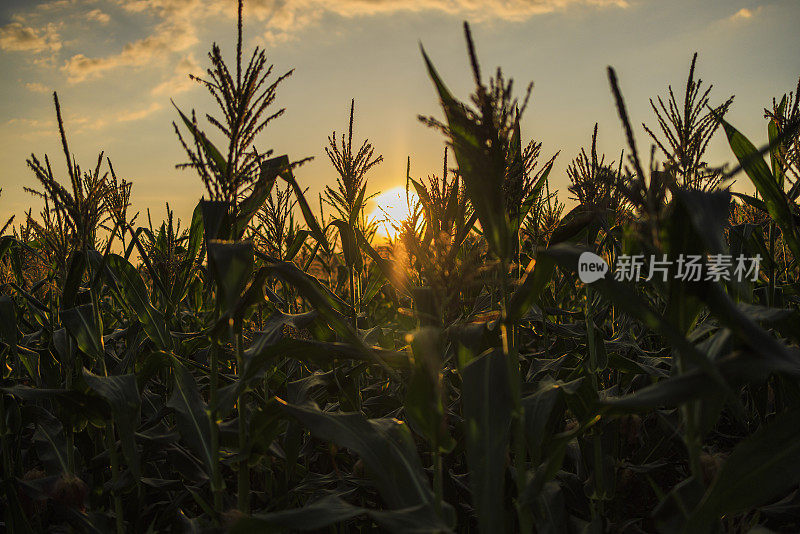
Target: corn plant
[{"x": 264, "y": 367}]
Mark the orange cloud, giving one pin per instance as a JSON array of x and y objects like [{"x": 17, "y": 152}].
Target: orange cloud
[
  {"x": 17, "y": 37},
  {"x": 36, "y": 87},
  {"x": 179, "y": 20},
  {"x": 179, "y": 82},
  {"x": 744, "y": 14},
  {"x": 98, "y": 16}
]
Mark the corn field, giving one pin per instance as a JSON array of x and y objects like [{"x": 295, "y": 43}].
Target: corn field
[{"x": 269, "y": 366}]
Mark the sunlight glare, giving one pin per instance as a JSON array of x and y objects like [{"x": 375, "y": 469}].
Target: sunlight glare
[{"x": 391, "y": 207}]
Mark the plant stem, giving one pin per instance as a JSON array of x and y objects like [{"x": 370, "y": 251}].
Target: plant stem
[
  {"x": 216, "y": 476},
  {"x": 438, "y": 477},
  {"x": 518, "y": 416},
  {"x": 7, "y": 474},
  {"x": 244, "y": 471},
  {"x": 691, "y": 435},
  {"x": 112, "y": 452},
  {"x": 351, "y": 271},
  {"x": 771, "y": 287}
]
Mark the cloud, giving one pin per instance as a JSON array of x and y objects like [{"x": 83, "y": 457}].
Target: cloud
[
  {"x": 30, "y": 129},
  {"x": 98, "y": 16},
  {"x": 17, "y": 37},
  {"x": 283, "y": 19},
  {"x": 139, "y": 114},
  {"x": 179, "y": 20},
  {"x": 36, "y": 87},
  {"x": 744, "y": 14},
  {"x": 28, "y": 123},
  {"x": 84, "y": 124},
  {"x": 175, "y": 33},
  {"x": 180, "y": 81},
  {"x": 135, "y": 54}
]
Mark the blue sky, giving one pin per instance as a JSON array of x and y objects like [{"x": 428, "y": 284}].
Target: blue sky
[{"x": 117, "y": 63}]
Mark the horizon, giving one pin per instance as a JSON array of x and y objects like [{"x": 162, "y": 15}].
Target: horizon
[{"x": 116, "y": 64}]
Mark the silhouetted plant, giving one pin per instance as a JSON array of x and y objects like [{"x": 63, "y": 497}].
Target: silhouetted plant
[
  {"x": 71, "y": 216},
  {"x": 593, "y": 182},
  {"x": 687, "y": 129},
  {"x": 276, "y": 228},
  {"x": 349, "y": 196},
  {"x": 244, "y": 98},
  {"x": 8, "y": 222},
  {"x": 786, "y": 154}
]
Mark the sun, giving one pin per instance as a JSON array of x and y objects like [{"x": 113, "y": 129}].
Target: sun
[{"x": 391, "y": 207}]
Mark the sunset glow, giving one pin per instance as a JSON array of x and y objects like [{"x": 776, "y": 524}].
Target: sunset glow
[{"x": 392, "y": 207}]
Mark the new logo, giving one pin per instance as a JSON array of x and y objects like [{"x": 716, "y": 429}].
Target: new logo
[{"x": 591, "y": 267}]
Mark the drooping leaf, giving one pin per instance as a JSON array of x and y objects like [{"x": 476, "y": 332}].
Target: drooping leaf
[
  {"x": 308, "y": 215},
  {"x": 247, "y": 208},
  {"x": 231, "y": 263},
  {"x": 352, "y": 257},
  {"x": 760, "y": 468},
  {"x": 192, "y": 415},
  {"x": 385, "y": 446},
  {"x": 213, "y": 155},
  {"x": 122, "y": 396},
  {"x": 127, "y": 284},
  {"x": 81, "y": 325}
]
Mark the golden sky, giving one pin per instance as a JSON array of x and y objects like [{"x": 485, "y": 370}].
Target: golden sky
[{"x": 117, "y": 63}]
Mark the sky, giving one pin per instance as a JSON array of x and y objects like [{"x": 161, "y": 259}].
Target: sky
[{"x": 117, "y": 64}]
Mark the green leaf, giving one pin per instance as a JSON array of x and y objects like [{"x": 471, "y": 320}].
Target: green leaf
[
  {"x": 423, "y": 402},
  {"x": 358, "y": 206},
  {"x": 122, "y": 396},
  {"x": 191, "y": 259},
  {"x": 572, "y": 226},
  {"x": 8, "y": 322},
  {"x": 487, "y": 406},
  {"x": 213, "y": 155},
  {"x": 539, "y": 409},
  {"x": 538, "y": 273},
  {"x": 385, "y": 446},
  {"x": 331, "y": 307},
  {"x": 216, "y": 220},
  {"x": 127, "y": 285},
  {"x": 247, "y": 208},
  {"x": 231, "y": 263},
  {"x": 737, "y": 368},
  {"x": 331, "y": 510},
  {"x": 766, "y": 183},
  {"x": 481, "y": 164},
  {"x": 72, "y": 284},
  {"x": 308, "y": 215},
  {"x": 297, "y": 244},
  {"x": 191, "y": 415},
  {"x": 776, "y": 146},
  {"x": 51, "y": 442},
  {"x": 387, "y": 267},
  {"x": 79, "y": 322},
  {"x": 764, "y": 466},
  {"x": 673, "y": 511},
  {"x": 327, "y": 511},
  {"x": 266, "y": 350},
  {"x": 566, "y": 256},
  {"x": 752, "y": 201},
  {"x": 352, "y": 256}
]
